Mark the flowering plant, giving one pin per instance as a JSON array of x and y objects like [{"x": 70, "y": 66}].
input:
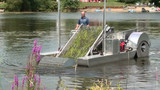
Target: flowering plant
[{"x": 31, "y": 78}]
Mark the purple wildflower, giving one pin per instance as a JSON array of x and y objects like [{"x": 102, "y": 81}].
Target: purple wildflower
[
  {"x": 31, "y": 85},
  {"x": 38, "y": 58},
  {"x": 33, "y": 50},
  {"x": 26, "y": 77},
  {"x": 35, "y": 42},
  {"x": 35, "y": 77},
  {"x": 30, "y": 74},
  {"x": 23, "y": 80},
  {"x": 39, "y": 49},
  {"x": 13, "y": 85},
  {"x": 44, "y": 88},
  {"x": 36, "y": 49},
  {"x": 16, "y": 80},
  {"x": 27, "y": 67}
]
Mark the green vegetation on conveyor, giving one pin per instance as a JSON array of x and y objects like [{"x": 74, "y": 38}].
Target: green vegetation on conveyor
[{"x": 82, "y": 43}]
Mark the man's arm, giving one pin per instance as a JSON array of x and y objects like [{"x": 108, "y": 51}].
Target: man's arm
[
  {"x": 77, "y": 24},
  {"x": 87, "y": 22}
]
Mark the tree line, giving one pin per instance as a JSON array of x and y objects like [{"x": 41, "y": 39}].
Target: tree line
[
  {"x": 40, "y": 5},
  {"x": 51, "y": 5}
]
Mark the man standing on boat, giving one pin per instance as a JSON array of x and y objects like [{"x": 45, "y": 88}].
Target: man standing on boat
[{"x": 83, "y": 20}]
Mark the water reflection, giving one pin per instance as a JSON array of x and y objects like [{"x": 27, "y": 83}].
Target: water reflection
[
  {"x": 142, "y": 62},
  {"x": 137, "y": 71}
]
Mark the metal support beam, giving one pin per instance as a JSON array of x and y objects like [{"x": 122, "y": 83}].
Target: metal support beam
[
  {"x": 104, "y": 23},
  {"x": 59, "y": 24}
]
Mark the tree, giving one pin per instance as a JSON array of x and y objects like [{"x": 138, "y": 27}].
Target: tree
[
  {"x": 157, "y": 2},
  {"x": 48, "y": 5},
  {"x": 14, "y": 5},
  {"x": 70, "y": 5},
  {"x": 130, "y": 1},
  {"x": 31, "y": 5},
  {"x": 2, "y": 0}
]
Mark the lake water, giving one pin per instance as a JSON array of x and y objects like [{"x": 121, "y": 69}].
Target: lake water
[{"x": 18, "y": 32}]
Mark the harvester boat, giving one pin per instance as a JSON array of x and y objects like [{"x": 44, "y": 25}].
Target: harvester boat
[{"x": 108, "y": 46}]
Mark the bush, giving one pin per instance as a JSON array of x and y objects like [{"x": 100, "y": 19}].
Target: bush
[
  {"x": 121, "y": 0},
  {"x": 26, "y": 6},
  {"x": 14, "y": 5},
  {"x": 3, "y": 5},
  {"x": 48, "y": 5},
  {"x": 32, "y": 5},
  {"x": 70, "y": 5},
  {"x": 53, "y": 6},
  {"x": 156, "y": 2},
  {"x": 127, "y": 1},
  {"x": 130, "y": 1}
]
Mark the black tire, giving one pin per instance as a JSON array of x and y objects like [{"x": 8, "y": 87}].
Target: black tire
[{"x": 143, "y": 49}]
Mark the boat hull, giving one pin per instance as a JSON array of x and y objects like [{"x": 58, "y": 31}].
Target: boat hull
[{"x": 101, "y": 59}]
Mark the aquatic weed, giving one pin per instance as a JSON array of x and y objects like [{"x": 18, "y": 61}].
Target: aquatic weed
[
  {"x": 104, "y": 85},
  {"x": 82, "y": 43}
]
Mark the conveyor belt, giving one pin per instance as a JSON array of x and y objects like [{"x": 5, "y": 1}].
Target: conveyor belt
[{"x": 81, "y": 43}]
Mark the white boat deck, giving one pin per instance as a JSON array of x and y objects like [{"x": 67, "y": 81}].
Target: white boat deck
[{"x": 49, "y": 53}]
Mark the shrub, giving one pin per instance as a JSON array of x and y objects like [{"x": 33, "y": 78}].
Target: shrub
[
  {"x": 130, "y": 1},
  {"x": 31, "y": 5},
  {"x": 48, "y": 5},
  {"x": 127, "y": 1},
  {"x": 3, "y": 5},
  {"x": 157, "y": 3},
  {"x": 14, "y": 5},
  {"x": 70, "y": 5}
]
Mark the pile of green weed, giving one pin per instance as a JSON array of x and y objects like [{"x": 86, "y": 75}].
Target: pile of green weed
[{"x": 82, "y": 43}]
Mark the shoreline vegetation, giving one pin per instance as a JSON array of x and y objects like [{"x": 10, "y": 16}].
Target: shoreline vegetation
[
  {"x": 75, "y": 6},
  {"x": 93, "y": 10}
]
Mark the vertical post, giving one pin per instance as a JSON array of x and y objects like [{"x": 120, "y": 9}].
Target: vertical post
[
  {"x": 137, "y": 25},
  {"x": 59, "y": 24},
  {"x": 104, "y": 31},
  {"x": 104, "y": 14}
]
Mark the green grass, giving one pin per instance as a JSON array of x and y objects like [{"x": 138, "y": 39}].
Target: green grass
[
  {"x": 82, "y": 43},
  {"x": 109, "y": 4},
  {"x": 3, "y": 5}
]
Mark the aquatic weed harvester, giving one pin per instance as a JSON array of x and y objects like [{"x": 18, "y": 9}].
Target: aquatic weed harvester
[{"x": 100, "y": 45}]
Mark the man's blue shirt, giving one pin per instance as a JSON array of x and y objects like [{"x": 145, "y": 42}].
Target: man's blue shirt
[{"x": 84, "y": 21}]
